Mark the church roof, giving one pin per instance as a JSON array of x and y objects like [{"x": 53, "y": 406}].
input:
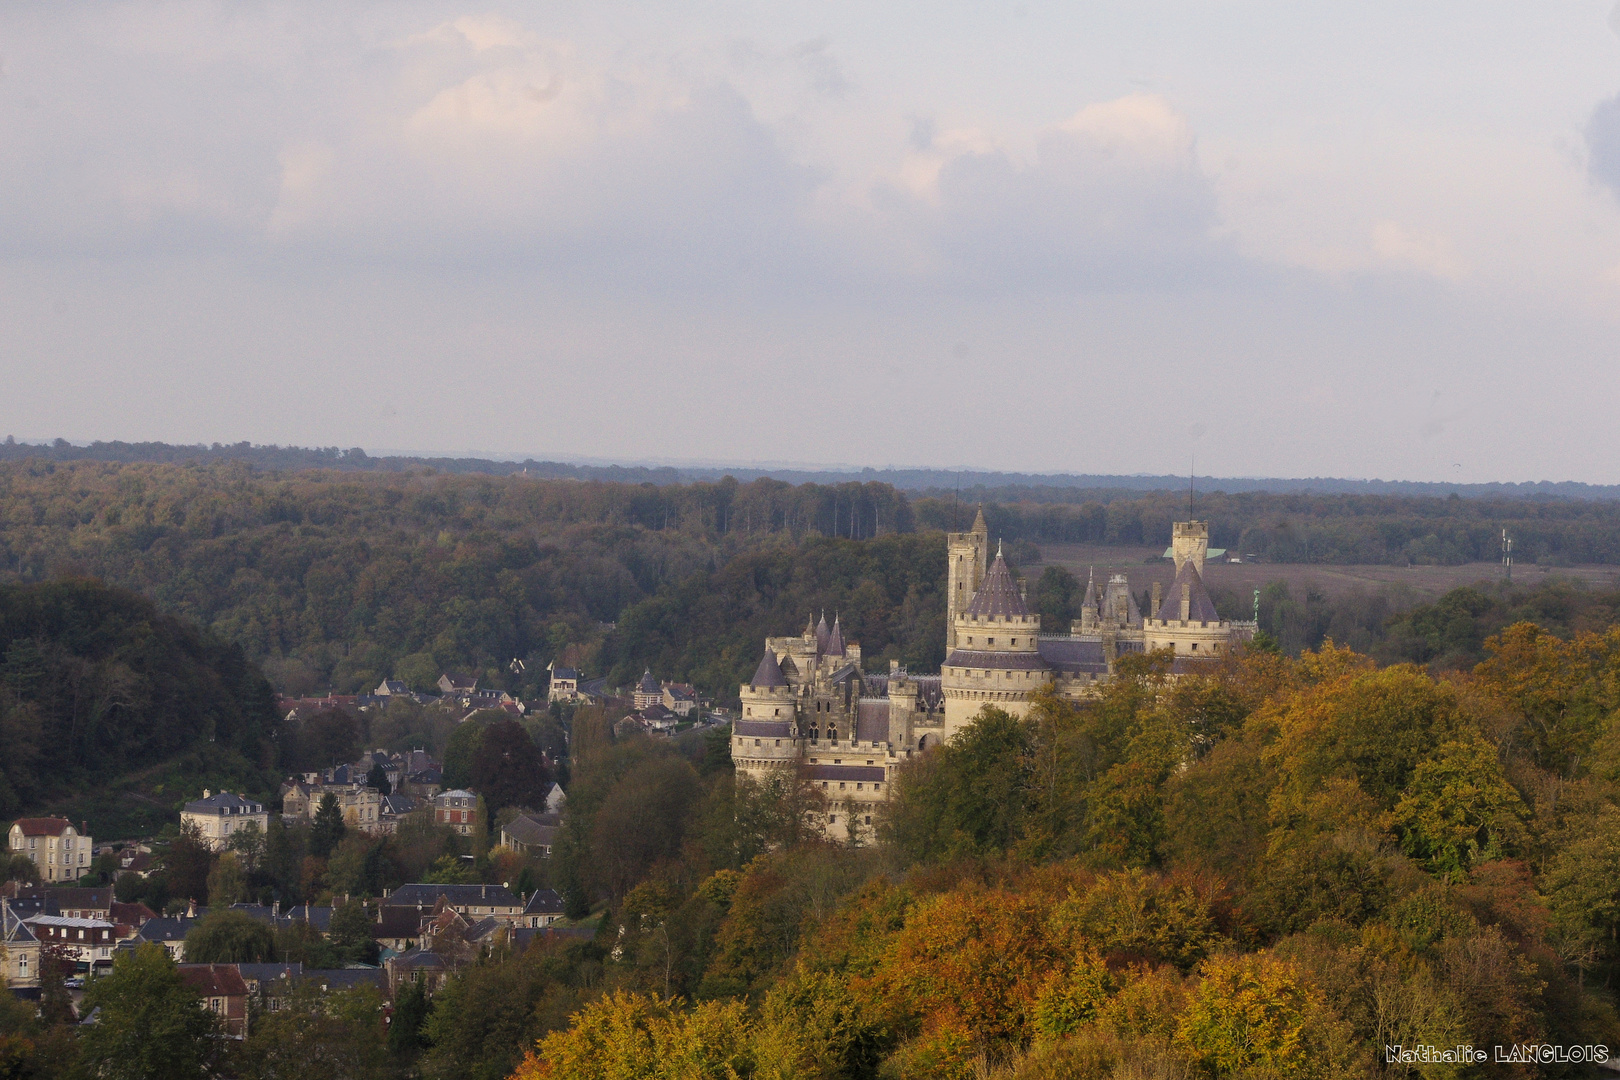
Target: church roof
[
  {"x": 998, "y": 595},
  {"x": 835, "y": 643},
  {"x": 769, "y": 673},
  {"x": 1200, "y": 607}
]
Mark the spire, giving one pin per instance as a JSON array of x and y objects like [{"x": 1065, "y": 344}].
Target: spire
[
  {"x": 822, "y": 633},
  {"x": 998, "y": 547},
  {"x": 835, "y": 643},
  {"x": 998, "y": 595},
  {"x": 1090, "y": 601},
  {"x": 769, "y": 672},
  {"x": 978, "y": 522}
]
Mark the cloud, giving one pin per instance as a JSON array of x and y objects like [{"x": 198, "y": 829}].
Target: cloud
[
  {"x": 1429, "y": 253},
  {"x": 1114, "y": 195},
  {"x": 1603, "y": 144}
]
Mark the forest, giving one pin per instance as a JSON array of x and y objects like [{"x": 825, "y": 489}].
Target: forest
[{"x": 1273, "y": 870}]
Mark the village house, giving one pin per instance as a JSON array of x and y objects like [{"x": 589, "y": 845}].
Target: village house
[
  {"x": 469, "y": 901},
  {"x": 217, "y": 816},
  {"x": 544, "y": 908},
  {"x": 89, "y": 943},
  {"x": 224, "y": 993},
  {"x": 456, "y": 809},
  {"x": 58, "y": 851},
  {"x": 19, "y": 951},
  {"x": 564, "y": 683},
  {"x": 533, "y": 835},
  {"x": 680, "y": 699}
]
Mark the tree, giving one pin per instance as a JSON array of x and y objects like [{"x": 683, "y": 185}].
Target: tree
[
  {"x": 1256, "y": 1015},
  {"x": 316, "y": 1035},
  {"x": 351, "y": 931},
  {"x": 967, "y": 797},
  {"x": 230, "y": 937},
  {"x": 1459, "y": 809},
  {"x": 378, "y": 778},
  {"x": 460, "y": 750},
  {"x": 187, "y": 865},
  {"x": 18, "y": 867},
  {"x": 328, "y": 829},
  {"x": 507, "y": 769},
  {"x": 152, "y": 1025},
  {"x": 248, "y": 842},
  {"x": 629, "y": 1036},
  {"x": 227, "y": 884},
  {"x": 410, "y": 1011}
]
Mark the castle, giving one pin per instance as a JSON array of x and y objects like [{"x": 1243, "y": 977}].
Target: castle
[{"x": 812, "y": 707}]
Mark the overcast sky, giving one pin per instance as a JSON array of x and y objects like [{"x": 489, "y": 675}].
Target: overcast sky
[{"x": 1373, "y": 240}]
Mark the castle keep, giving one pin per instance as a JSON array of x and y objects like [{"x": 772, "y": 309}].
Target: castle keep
[{"x": 810, "y": 706}]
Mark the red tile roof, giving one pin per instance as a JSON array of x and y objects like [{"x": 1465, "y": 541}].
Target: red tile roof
[{"x": 43, "y": 826}]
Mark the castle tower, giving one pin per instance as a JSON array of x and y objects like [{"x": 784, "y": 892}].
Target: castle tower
[
  {"x": 966, "y": 559},
  {"x": 1088, "y": 606},
  {"x": 766, "y": 736},
  {"x": 997, "y": 658},
  {"x": 1189, "y": 542}
]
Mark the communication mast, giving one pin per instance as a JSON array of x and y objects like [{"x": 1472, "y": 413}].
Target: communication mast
[{"x": 1507, "y": 556}]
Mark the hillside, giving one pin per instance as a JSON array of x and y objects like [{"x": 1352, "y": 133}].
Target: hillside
[{"x": 98, "y": 686}]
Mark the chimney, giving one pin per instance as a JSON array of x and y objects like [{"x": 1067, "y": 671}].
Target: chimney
[
  {"x": 1158, "y": 598},
  {"x": 206, "y": 793},
  {"x": 191, "y": 909},
  {"x": 1186, "y": 601},
  {"x": 275, "y": 909}
]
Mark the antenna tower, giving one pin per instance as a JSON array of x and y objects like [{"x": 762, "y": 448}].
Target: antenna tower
[{"x": 1507, "y": 556}]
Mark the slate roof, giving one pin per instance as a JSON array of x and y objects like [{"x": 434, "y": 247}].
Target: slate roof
[
  {"x": 997, "y": 661},
  {"x": 224, "y": 802},
  {"x": 172, "y": 928},
  {"x": 872, "y": 720},
  {"x": 1090, "y": 601},
  {"x": 1074, "y": 655},
  {"x": 419, "y": 959},
  {"x": 397, "y": 922},
  {"x": 998, "y": 595},
  {"x": 930, "y": 691},
  {"x": 544, "y": 902},
  {"x": 844, "y": 772},
  {"x": 823, "y": 635},
  {"x": 648, "y": 684},
  {"x": 835, "y": 642},
  {"x": 529, "y": 832},
  {"x": 1201, "y": 607},
  {"x": 425, "y": 896},
  {"x": 763, "y": 729},
  {"x": 769, "y": 673},
  {"x": 397, "y": 805},
  {"x": 565, "y": 673}
]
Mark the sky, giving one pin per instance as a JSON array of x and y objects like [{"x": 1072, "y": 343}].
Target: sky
[{"x": 1280, "y": 239}]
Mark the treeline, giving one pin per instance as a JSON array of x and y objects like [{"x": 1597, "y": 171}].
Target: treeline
[
  {"x": 337, "y": 580},
  {"x": 1316, "y": 528}
]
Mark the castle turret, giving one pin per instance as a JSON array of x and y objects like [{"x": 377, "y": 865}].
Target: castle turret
[
  {"x": 965, "y": 555},
  {"x": 1088, "y": 606},
  {"x": 1189, "y": 541},
  {"x": 996, "y": 660}
]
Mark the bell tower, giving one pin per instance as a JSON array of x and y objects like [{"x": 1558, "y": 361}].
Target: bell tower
[{"x": 965, "y": 553}]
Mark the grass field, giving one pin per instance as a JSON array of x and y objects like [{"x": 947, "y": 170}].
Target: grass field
[{"x": 1421, "y": 583}]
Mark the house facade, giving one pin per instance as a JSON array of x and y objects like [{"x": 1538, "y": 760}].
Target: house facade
[
  {"x": 58, "y": 851},
  {"x": 217, "y": 817},
  {"x": 457, "y": 810}
]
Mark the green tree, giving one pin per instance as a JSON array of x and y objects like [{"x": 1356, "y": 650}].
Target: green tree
[
  {"x": 316, "y": 1035},
  {"x": 507, "y": 768},
  {"x": 410, "y": 1012},
  {"x": 230, "y": 937},
  {"x": 248, "y": 842},
  {"x": 152, "y": 1026},
  {"x": 1459, "y": 810},
  {"x": 460, "y": 752},
  {"x": 187, "y": 864},
  {"x": 329, "y": 827},
  {"x": 351, "y": 930},
  {"x": 378, "y": 778},
  {"x": 227, "y": 884},
  {"x": 967, "y": 797}
]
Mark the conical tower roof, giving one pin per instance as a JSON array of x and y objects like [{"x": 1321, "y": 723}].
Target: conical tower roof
[
  {"x": 648, "y": 684},
  {"x": 835, "y": 642},
  {"x": 823, "y": 635},
  {"x": 769, "y": 672},
  {"x": 999, "y": 594},
  {"x": 978, "y": 522},
  {"x": 1200, "y": 608},
  {"x": 1090, "y": 601}
]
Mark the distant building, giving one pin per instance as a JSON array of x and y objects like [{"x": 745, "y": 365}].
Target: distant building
[
  {"x": 680, "y": 699},
  {"x": 530, "y": 835},
  {"x": 19, "y": 951},
  {"x": 564, "y": 683},
  {"x": 544, "y": 908},
  {"x": 470, "y": 901},
  {"x": 58, "y": 851},
  {"x": 454, "y": 682},
  {"x": 217, "y": 817},
  {"x": 224, "y": 993},
  {"x": 392, "y": 688},
  {"x": 457, "y": 809},
  {"x": 647, "y": 692}
]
